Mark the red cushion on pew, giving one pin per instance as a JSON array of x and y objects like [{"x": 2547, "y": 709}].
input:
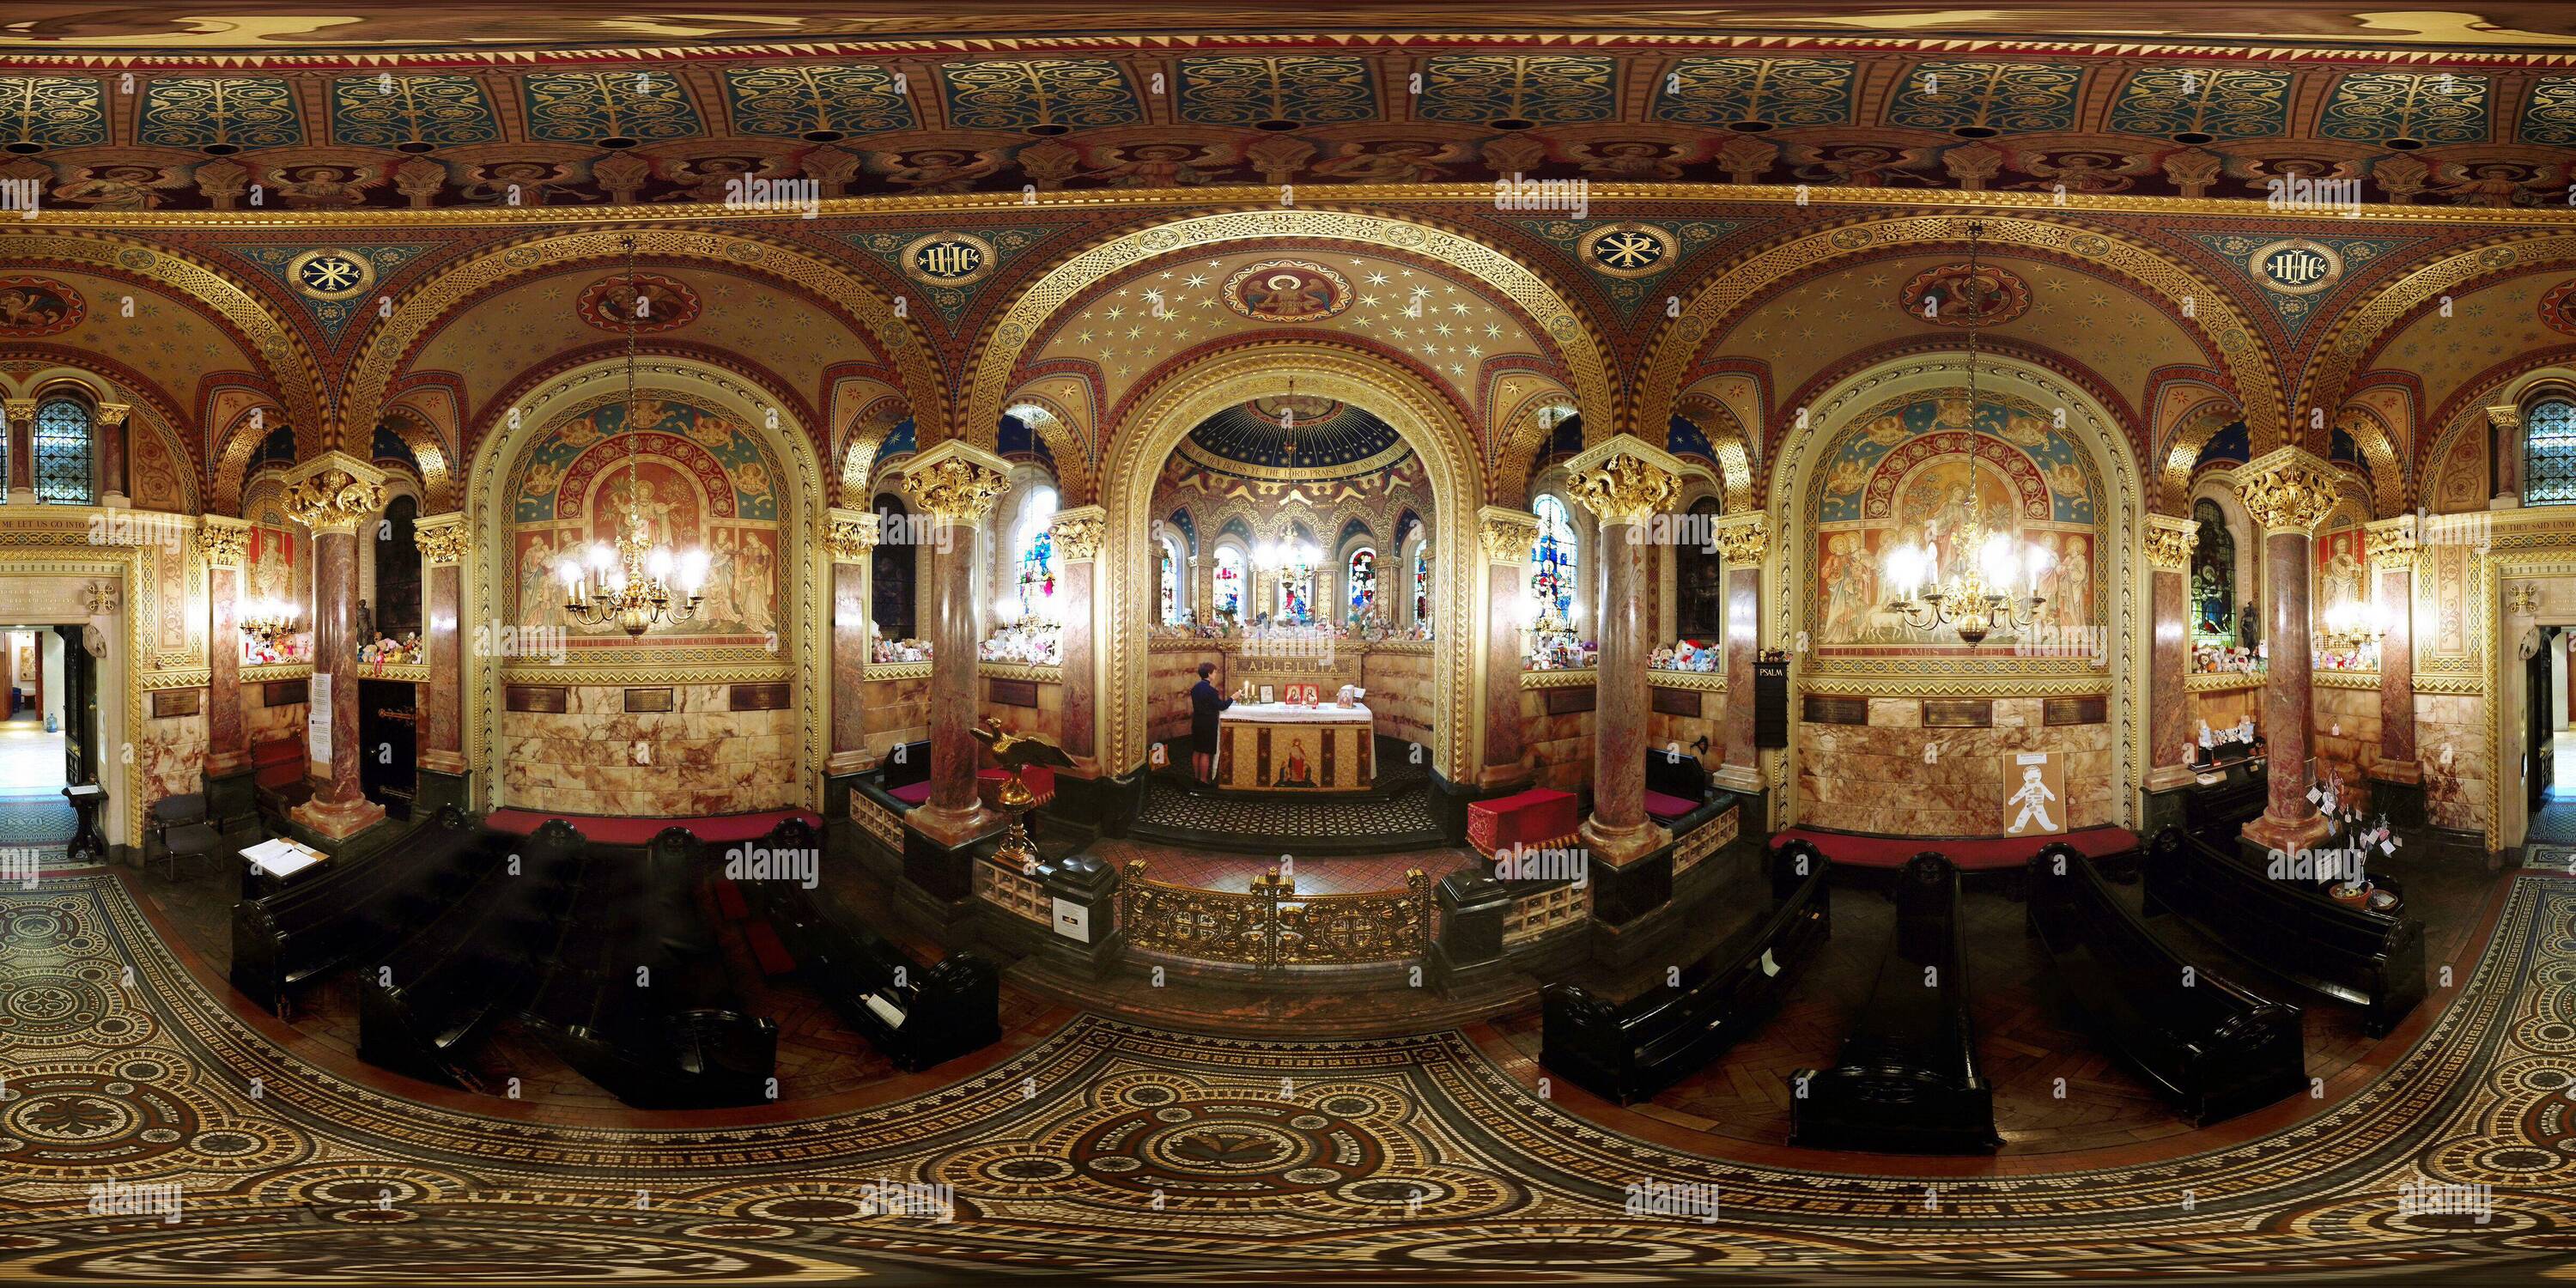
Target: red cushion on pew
[
  {"x": 1660, "y": 805},
  {"x": 772, "y": 956},
  {"x": 911, "y": 793}
]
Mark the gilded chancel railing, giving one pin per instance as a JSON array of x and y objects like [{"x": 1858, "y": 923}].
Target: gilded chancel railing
[{"x": 1272, "y": 925}]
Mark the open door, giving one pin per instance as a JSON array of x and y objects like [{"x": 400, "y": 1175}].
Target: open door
[
  {"x": 2540, "y": 729},
  {"x": 80, "y": 708}
]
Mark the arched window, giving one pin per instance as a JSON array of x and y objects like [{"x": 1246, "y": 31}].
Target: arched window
[
  {"x": 2549, "y": 452},
  {"x": 1363, "y": 581},
  {"x": 1034, "y": 554},
  {"x": 62, "y": 453},
  {"x": 1170, "y": 582},
  {"x": 1551, "y": 576},
  {"x": 1699, "y": 582},
  {"x": 1421, "y": 582},
  {"x": 398, "y": 571},
  {"x": 2213, "y": 577},
  {"x": 890, "y": 597},
  {"x": 1229, "y": 582}
]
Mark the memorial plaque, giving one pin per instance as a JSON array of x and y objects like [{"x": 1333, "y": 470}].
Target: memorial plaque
[
  {"x": 1012, "y": 693},
  {"x": 548, "y": 699},
  {"x": 2075, "y": 711},
  {"x": 1824, "y": 710},
  {"x": 1677, "y": 702},
  {"x": 760, "y": 697},
  {"x": 1958, "y": 713},
  {"x": 648, "y": 701},
  {"x": 167, "y": 703},
  {"x": 286, "y": 693},
  {"x": 1566, "y": 702}
]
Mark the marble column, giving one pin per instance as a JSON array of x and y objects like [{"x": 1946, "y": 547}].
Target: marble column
[
  {"x": 443, "y": 540},
  {"x": 223, "y": 542},
  {"x": 2288, "y": 491},
  {"x": 1742, "y": 541},
  {"x": 1506, "y": 536},
  {"x": 1627, "y": 483},
  {"x": 110, "y": 439},
  {"x": 2169, "y": 731},
  {"x": 956, "y": 483},
  {"x": 2506, "y": 425},
  {"x": 334, "y": 496},
  {"x": 1077, "y": 533},
  {"x": 21, "y": 482},
  {"x": 2390, "y": 545},
  {"x": 851, "y": 536}
]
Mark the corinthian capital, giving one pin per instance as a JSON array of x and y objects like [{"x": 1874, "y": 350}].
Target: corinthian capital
[
  {"x": 1626, "y": 479},
  {"x": 2390, "y": 542},
  {"x": 336, "y": 493},
  {"x": 957, "y": 481},
  {"x": 1506, "y": 534},
  {"x": 1078, "y": 532},
  {"x": 1743, "y": 538},
  {"x": 852, "y": 535},
  {"x": 2169, "y": 542},
  {"x": 442, "y": 540},
  {"x": 2288, "y": 490},
  {"x": 223, "y": 541}
]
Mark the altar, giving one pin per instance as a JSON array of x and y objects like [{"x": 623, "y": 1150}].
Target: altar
[{"x": 1276, "y": 747}]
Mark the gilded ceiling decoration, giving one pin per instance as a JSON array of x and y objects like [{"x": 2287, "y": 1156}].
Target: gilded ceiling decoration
[{"x": 34, "y": 306}]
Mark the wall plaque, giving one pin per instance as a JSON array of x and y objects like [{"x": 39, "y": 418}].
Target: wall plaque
[
  {"x": 648, "y": 701},
  {"x": 286, "y": 693},
  {"x": 2075, "y": 711},
  {"x": 1771, "y": 703},
  {"x": 550, "y": 699},
  {"x": 1824, "y": 710},
  {"x": 1012, "y": 693},
  {"x": 760, "y": 697},
  {"x": 1566, "y": 702},
  {"x": 1677, "y": 702},
  {"x": 1958, "y": 713},
  {"x": 175, "y": 702}
]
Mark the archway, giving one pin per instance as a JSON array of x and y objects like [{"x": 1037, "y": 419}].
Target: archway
[{"x": 1188, "y": 397}]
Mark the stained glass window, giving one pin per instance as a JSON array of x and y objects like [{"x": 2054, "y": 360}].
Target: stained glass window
[
  {"x": 1170, "y": 589},
  {"x": 1422, "y": 582},
  {"x": 1363, "y": 581},
  {"x": 2549, "y": 447},
  {"x": 1296, "y": 593},
  {"x": 62, "y": 453},
  {"x": 1551, "y": 583},
  {"x": 1229, "y": 583},
  {"x": 1036, "y": 546}
]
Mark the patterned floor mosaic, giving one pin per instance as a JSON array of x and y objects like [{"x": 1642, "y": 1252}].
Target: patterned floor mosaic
[
  {"x": 1114, "y": 1151},
  {"x": 1400, "y": 819}
]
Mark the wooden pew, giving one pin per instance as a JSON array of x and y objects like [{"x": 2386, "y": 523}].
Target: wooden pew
[
  {"x": 919, "y": 1016},
  {"x": 1906, "y": 1081},
  {"x": 2207, "y": 1043},
  {"x": 439, "y": 989},
  {"x": 669, "y": 1037},
  {"x": 2291, "y": 928},
  {"x": 344, "y": 910},
  {"x": 1628, "y": 1052}
]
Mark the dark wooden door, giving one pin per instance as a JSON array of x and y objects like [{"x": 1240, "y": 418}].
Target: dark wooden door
[
  {"x": 80, "y": 709},
  {"x": 2544, "y": 760}
]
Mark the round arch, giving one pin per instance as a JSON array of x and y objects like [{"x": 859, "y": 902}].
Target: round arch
[
  {"x": 1188, "y": 395},
  {"x": 1726, "y": 437},
  {"x": 859, "y": 451},
  {"x": 1716, "y": 304},
  {"x": 437, "y": 481},
  {"x": 2391, "y": 482},
  {"x": 1796, "y": 475},
  {"x": 803, "y": 568},
  {"x": 426, "y": 305},
  {"x": 1538, "y": 296},
  {"x": 2359, "y": 331}
]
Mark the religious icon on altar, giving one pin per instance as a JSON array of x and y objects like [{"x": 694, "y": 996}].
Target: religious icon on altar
[
  {"x": 2037, "y": 805},
  {"x": 1298, "y": 771}
]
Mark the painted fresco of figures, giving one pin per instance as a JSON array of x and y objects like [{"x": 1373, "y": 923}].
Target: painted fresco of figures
[
  {"x": 723, "y": 581},
  {"x": 540, "y": 590},
  {"x": 1850, "y": 586},
  {"x": 2339, "y": 571},
  {"x": 2074, "y": 572},
  {"x": 756, "y": 583}
]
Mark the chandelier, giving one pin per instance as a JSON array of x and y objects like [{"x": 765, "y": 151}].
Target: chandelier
[
  {"x": 268, "y": 620},
  {"x": 629, "y": 584},
  {"x": 1977, "y": 597},
  {"x": 2354, "y": 624}
]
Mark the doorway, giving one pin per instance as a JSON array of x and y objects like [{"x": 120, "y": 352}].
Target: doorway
[{"x": 2540, "y": 721}]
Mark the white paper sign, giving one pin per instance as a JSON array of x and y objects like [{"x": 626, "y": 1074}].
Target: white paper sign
[
  {"x": 317, "y": 720},
  {"x": 1073, "y": 920}
]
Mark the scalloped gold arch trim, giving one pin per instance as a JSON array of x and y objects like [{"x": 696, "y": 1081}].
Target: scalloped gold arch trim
[{"x": 2360, "y": 329}]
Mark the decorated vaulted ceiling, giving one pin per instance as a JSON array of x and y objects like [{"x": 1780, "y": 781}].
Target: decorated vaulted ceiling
[
  {"x": 432, "y": 114},
  {"x": 2532, "y": 315},
  {"x": 1293, "y": 449}
]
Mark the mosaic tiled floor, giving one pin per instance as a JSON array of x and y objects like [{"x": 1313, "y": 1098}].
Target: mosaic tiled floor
[
  {"x": 1114, "y": 1151},
  {"x": 1400, "y": 819},
  {"x": 37, "y": 822}
]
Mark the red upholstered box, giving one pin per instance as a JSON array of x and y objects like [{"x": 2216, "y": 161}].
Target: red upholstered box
[
  {"x": 1040, "y": 780},
  {"x": 1539, "y": 816}
]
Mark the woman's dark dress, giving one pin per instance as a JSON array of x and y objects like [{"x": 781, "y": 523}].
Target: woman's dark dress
[{"x": 1205, "y": 702}]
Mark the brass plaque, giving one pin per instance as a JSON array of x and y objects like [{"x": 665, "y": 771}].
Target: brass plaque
[
  {"x": 1958, "y": 713},
  {"x": 176, "y": 702},
  {"x": 1566, "y": 702},
  {"x": 2075, "y": 711},
  {"x": 1824, "y": 710},
  {"x": 1012, "y": 693},
  {"x": 1677, "y": 702},
  {"x": 548, "y": 699},
  {"x": 648, "y": 701},
  {"x": 760, "y": 697},
  {"x": 286, "y": 693}
]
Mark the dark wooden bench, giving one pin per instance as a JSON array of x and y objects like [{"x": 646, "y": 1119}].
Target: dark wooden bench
[
  {"x": 1630, "y": 1051},
  {"x": 1906, "y": 1080},
  {"x": 279, "y": 780},
  {"x": 919, "y": 1016},
  {"x": 635, "y": 997},
  {"x": 2209, "y": 1044},
  {"x": 345, "y": 910},
  {"x": 2290, "y": 928},
  {"x": 2221, "y": 809},
  {"x": 435, "y": 992}
]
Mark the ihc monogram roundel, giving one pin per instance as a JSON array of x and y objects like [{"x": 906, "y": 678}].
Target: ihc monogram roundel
[
  {"x": 2296, "y": 266},
  {"x": 1953, "y": 296},
  {"x": 1287, "y": 290},
  {"x": 331, "y": 274},
  {"x": 948, "y": 259}
]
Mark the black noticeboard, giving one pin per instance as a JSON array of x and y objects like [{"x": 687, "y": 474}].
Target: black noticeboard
[{"x": 1771, "y": 704}]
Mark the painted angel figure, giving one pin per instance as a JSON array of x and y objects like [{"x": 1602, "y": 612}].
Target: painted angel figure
[{"x": 2033, "y": 799}]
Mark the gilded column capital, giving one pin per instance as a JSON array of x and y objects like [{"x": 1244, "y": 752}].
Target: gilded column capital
[
  {"x": 2389, "y": 543},
  {"x": 2507, "y": 416},
  {"x": 20, "y": 411},
  {"x": 851, "y": 535},
  {"x": 957, "y": 481},
  {"x": 114, "y": 413},
  {"x": 2289, "y": 490},
  {"x": 2169, "y": 541},
  {"x": 223, "y": 541},
  {"x": 1742, "y": 538},
  {"x": 442, "y": 539},
  {"x": 1078, "y": 532},
  {"x": 1506, "y": 534},
  {"x": 335, "y": 492},
  {"x": 1626, "y": 479}
]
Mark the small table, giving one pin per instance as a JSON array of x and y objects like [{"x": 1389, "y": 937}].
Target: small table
[
  {"x": 269, "y": 866},
  {"x": 1275, "y": 747},
  {"x": 86, "y": 798}
]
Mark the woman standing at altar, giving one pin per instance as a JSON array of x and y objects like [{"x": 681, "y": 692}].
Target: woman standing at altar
[{"x": 1205, "y": 703}]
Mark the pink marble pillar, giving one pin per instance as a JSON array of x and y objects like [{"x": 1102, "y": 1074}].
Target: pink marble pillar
[
  {"x": 957, "y": 484},
  {"x": 21, "y": 480},
  {"x": 1506, "y": 536},
  {"x": 1742, "y": 541},
  {"x": 1627, "y": 483},
  {"x": 2169, "y": 732},
  {"x": 222, "y": 541},
  {"x": 334, "y": 498},
  {"x": 111, "y": 452},
  {"x": 1077, "y": 538},
  {"x": 442, "y": 541},
  {"x": 852, "y": 540},
  {"x": 2288, "y": 491}
]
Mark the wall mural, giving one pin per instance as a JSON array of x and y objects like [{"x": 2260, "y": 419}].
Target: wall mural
[
  {"x": 2342, "y": 571},
  {"x": 277, "y": 567},
  {"x": 706, "y": 483},
  {"x": 1899, "y": 472}
]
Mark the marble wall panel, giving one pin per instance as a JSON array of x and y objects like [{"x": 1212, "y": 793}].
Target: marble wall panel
[
  {"x": 1399, "y": 692},
  {"x": 1046, "y": 719},
  {"x": 898, "y": 711},
  {"x": 1877, "y": 777},
  {"x": 264, "y": 723},
  {"x": 1559, "y": 747},
  {"x": 2451, "y": 738},
  {"x": 2223, "y": 708},
  {"x": 702, "y": 757},
  {"x": 2346, "y": 740}
]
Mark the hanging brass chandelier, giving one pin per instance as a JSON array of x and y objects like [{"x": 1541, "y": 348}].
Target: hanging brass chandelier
[
  {"x": 630, "y": 584},
  {"x": 1976, "y": 598}
]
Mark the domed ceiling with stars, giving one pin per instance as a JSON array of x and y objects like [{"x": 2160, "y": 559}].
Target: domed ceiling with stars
[{"x": 1323, "y": 440}]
